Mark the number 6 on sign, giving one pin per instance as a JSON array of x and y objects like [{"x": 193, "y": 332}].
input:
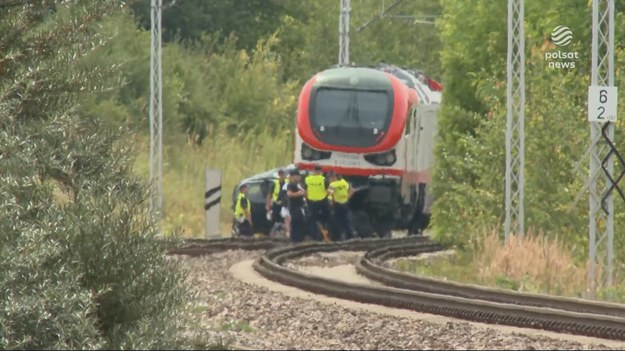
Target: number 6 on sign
[{"x": 602, "y": 104}]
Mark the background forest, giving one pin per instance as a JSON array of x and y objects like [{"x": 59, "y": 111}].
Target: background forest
[
  {"x": 74, "y": 93},
  {"x": 233, "y": 70}
]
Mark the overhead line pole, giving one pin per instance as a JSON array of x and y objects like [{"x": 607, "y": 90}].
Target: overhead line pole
[
  {"x": 156, "y": 116},
  {"x": 601, "y": 201},
  {"x": 344, "y": 33},
  {"x": 515, "y": 121}
]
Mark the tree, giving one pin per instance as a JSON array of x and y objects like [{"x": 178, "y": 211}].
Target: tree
[
  {"x": 189, "y": 20},
  {"x": 470, "y": 160},
  {"x": 80, "y": 267}
]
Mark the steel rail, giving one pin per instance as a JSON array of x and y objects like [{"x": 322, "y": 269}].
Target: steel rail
[
  {"x": 201, "y": 247},
  {"x": 453, "y": 300},
  {"x": 371, "y": 266},
  {"x": 270, "y": 266},
  {"x": 196, "y": 247}
]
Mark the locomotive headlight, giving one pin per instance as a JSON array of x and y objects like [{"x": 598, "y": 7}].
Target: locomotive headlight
[
  {"x": 383, "y": 159},
  {"x": 307, "y": 152},
  {"x": 310, "y": 154}
]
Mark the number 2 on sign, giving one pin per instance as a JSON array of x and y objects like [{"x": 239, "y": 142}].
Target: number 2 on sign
[
  {"x": 602, "y": 109},
  {"x": 602, "y": 104}
]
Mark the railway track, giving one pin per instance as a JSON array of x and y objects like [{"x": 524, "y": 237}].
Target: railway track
[
  {"x": 200, "y": 247},
  {"x": 407, "y": 291}
]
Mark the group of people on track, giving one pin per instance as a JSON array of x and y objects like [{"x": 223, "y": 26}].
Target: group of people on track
[{"x": 308, "y": 207}]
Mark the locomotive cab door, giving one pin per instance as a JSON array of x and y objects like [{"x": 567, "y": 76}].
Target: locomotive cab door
[
  {"x": 427, "y": 120},
  {"x": 408, "y": 181},
  {"x": 422, "y": 155}
]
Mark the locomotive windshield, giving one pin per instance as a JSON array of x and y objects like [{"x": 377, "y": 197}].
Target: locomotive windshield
[{"x": 348, "y": 117}]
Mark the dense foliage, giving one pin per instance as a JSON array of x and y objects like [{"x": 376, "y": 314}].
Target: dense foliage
[
  {"x": 469, "y": 180},
  {"x": 80, "y": 267},
  {"x": 238, "y": 78}
]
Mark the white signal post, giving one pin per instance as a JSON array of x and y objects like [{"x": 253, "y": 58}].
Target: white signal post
[{"x": 602, "y": 95}]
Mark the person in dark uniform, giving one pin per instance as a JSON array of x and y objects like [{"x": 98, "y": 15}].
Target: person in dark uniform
[
  {"x": 340, "y": 192},
  {"x": 295, "y": 194},
  {"x": 243, "y": 214}
]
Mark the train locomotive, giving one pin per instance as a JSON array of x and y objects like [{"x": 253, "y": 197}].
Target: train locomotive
[{"x": 376, "y": 126}]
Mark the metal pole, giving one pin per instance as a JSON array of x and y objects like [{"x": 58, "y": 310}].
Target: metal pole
[
  {"x": 156, "y": 115},
  {"x": 344, "y": 33},
  {"x": 515, "y": 120},
  {"x": 601, "y": 202},
  {"x": 610, "y": 161}
]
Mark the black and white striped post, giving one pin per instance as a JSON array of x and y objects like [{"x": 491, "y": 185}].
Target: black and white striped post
[{"x": 212, "y": 200}]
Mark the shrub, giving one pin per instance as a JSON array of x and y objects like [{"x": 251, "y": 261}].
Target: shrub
[
  {"x": 80, "y": 266},
  {"x": 534, "y": 263}
]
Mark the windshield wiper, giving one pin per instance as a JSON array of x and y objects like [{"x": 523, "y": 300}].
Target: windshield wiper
[
  {"x": 346, "y": 115},
  {"x": 355, "y": 104}
]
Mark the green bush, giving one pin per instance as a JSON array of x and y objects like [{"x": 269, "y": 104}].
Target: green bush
[{"x": 80, "y": 266}]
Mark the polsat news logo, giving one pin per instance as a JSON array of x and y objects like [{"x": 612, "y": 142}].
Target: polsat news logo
[{"x": 561, "y": 36}]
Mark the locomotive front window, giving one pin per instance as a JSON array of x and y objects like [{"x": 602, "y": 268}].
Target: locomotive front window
[
  {"x": 351, "y": 108},
  {"x": 350, "y": 117}
]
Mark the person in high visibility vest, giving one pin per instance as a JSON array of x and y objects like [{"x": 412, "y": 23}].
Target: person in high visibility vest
[
  {"x": 340, "y": 192},
  {"x": 242, "y": 212},
  {"x": 276, "y": 198},
  {"x": 317, "y": 196}
]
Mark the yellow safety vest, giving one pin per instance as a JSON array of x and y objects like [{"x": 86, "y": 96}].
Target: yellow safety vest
[
  {"x": 276, "y": 189},
  {"x": 340, "y": 190},
  {"x": 238, "y": 210},
  {"x": 316, "y": 187}
]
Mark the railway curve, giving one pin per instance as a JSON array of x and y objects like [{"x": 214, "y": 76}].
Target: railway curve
[
  {"x": 412, "y": 292},
  {"x": 371, "y": 266}
]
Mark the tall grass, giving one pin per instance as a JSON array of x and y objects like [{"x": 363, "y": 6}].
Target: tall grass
[
  {"x": 533, "y": 264},
  {"x": 184, "y": 163}
]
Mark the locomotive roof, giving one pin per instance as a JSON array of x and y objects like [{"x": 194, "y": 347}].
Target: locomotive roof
[
  {"x": 347, "y": 77},
  {"x": 413, "y": 78}
]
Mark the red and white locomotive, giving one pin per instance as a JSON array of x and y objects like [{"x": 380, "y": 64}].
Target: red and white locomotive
[{"x": 376, "y": 126}]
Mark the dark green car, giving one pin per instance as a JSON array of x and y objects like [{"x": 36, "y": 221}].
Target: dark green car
[{"x": 258, "y": 187}]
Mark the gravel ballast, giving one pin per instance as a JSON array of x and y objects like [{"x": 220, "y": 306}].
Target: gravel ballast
[{"x": 255, "y": 317}]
